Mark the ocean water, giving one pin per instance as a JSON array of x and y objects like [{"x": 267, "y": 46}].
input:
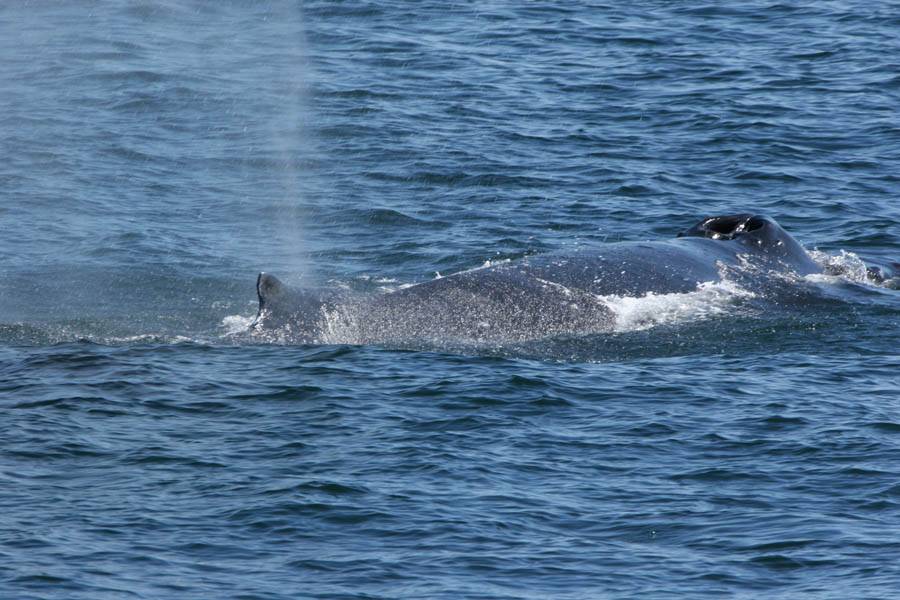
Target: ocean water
[{"x": 156, "y": 156}]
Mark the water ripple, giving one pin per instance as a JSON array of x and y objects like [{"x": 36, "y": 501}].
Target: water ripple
[{"x": 159, "y": 155}]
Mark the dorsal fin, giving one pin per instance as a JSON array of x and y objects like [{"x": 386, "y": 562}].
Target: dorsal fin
[{"x": 267, "y": 287}]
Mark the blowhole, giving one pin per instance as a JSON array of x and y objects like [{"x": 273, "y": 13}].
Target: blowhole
[
  {"x": 754, "y": 223},
  {"x": 724, "y": 225}
]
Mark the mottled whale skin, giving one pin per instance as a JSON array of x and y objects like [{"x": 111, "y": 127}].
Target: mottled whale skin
[{"x": 538, "y": 296}]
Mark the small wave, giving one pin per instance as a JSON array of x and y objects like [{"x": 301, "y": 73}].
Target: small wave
[
  {"x": 145, "y": 338},
  {"x": 48, "y": 334}
]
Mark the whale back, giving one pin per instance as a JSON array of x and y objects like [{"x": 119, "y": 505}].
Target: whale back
[{"x": 538, "y": 296}]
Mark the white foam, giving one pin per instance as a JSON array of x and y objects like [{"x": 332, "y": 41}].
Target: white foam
[
  {"x": 708, "y": 300},
  {"x": 235, "y": 324},
  {"x": 846, "y": 266}
]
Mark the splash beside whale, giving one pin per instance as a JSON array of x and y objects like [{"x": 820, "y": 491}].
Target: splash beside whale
[{"x": 539, "y": 296}]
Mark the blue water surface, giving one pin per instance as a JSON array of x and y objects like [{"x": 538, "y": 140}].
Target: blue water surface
[{"x": 157, "y": 155}]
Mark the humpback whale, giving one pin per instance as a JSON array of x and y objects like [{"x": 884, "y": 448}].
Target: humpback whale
[{"x": 538, "y": 296}]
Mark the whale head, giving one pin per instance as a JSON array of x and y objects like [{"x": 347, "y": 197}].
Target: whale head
[{"x": 759, "y": 234}]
